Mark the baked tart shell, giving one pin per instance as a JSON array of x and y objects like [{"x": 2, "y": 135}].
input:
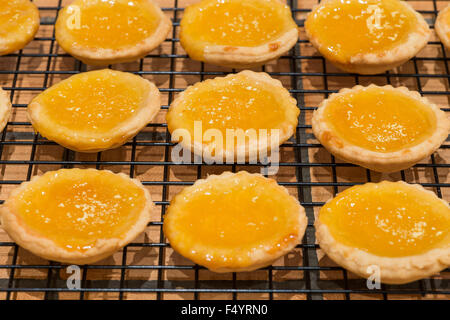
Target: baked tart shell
[
  {"x": 397, "y": 270},
  {"x": 371, "y": 63},
  {"x": 442, "y": 28},
  {"x": 48, "y": 249},
  {"x": 106, "y": 56},
  {"x": 5, "y": 108},
  {"x": 258, "y": 257},
  {"x": 378, "y": 161}
]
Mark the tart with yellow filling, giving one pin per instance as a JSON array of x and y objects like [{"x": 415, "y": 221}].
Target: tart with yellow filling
[
  {"x": 101, "y": 32},
  {"x": 19, "y": 22},
  {"x": 76, "y": 216},
  {"x": 398, "y": 229},
  {"x": 385, "y": 129},
  {"x": 251, "y": 106},
  {"x": 237, "y": 34},
  {"x": 96, "y": 110},
  {"x": 442, "y": 26},
  {"x": 5, "y": 108},
  {"x": 234, "y": 222},
  {"x": 366, "y": 37}
]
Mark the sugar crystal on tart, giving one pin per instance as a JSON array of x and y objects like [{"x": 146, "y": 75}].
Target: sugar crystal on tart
[
  {"x": 442, "y": 26},
  {"x": 366, "y": 36},
  {"x": 5, "y": 108},
  {"x": 19, "y": 22},
  {"x": 385, "y": 129},
  {"x": 96, "y": 110},
  {"x": 234, "y": 222},
  {"x": 101, "y": 32},
  {"x": 253, "y": 106},
  {"x": 402, "y": 229},
  {"x": 238, "y": 34},
  {"x": 76, "y": 215}
]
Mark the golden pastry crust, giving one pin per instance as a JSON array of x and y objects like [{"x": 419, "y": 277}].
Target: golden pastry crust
[
  {"x": 48, "y": 249},
  {"x": 397, "y": 270},
  {"x": 239, "y": 57},
  {"x": 20, "y": 40},
  {"x": 5, "y": 108},
  {"x": 104, "y": 56},
  {"x": 253, "y": 146},
  {"x": 242, "y": 260},
  {"x": 88, "y": 142},
  {"x": 370, "y": 63},
  {"x": 442, "y": 28},
  {"x": 379, "y": 161}
]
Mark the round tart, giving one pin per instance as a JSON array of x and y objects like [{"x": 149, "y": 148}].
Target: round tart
[
  {"x": 76, "y": 215},
  {"x": 5, "y": 108},
  {"x": 234, "y": 222},
  {"x": 19, "y": 22},
  {"x": 251, "y": 104},
  {"x": 100, "y": 32},
  {"x": 237, "y": 34},
  {"x": 385, "y": 129},
  {"x": 96, "y": 110},
  {"x": 442, "y": 26},
  {"x": 402, "y": 229},
  {"x": 366, "y": 37}
]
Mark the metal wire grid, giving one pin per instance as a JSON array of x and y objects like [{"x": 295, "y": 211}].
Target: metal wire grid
[{"x": 307, "y": 277}]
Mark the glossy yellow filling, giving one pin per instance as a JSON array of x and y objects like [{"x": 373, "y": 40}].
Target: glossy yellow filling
[
  {"x": 76, "y": 207},
  {"x": 18, "y": 20},
  {"x": 381, "y": 120},
  {"x": 112, "y": 24},
  {"x": 237, "y": 102},
  {"x": 346, "y": 28},
  {"x": 94, "y": 102},
  {"x": 235, "y": 23},
  {"x": 388, "y": 219},
  {"x": 238, "y": 213}
]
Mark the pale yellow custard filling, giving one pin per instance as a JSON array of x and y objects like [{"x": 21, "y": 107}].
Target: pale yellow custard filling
[
  {"x": 74, "y": 208},
  {"x": 19, "y": 20},
  {"x": 388, "y": 219},
  {"x": 379, "y": 119},
  {"x": 113, "y": 24},
  {"x": 234, "y": 23},
  {"x": 347, "y": 28}
]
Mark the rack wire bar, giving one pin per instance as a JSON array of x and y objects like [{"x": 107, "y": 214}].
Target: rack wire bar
[{"x": 148, "y": 268}]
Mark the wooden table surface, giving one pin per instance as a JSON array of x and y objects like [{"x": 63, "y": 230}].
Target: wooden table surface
[{"x": 42, "y": 64}]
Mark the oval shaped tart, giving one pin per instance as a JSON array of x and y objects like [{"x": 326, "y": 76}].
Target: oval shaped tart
[
  {"x": 385, "y": 129},
  {"x": 402, "y": 230},
  {"x": 101, "y": 32},
  {"x": 252, "y": 106},
  {"x": 237, "y": 34},
  {"x": 442, "y": 26},
  {"x": 5, "y": 108},
  {"x": 383, "y": 33},
  {"x": 76, "y": 215},
  {"x": 19, "y": 22},
  {"x": 96, "y": 110},
  {"x": 234, "y": 222}
]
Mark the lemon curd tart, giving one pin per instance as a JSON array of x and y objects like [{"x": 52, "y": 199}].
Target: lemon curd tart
[
  {"x": 366, "y": 36},
  {"x": 385, "y": 129},
  {"x": 234, "y": 222},
  {"x": 237, "y": 34},
  {"x": 105, "y": 32},
  {"x": 399, "y": 229},
  {"x": 251, "y": 106},
  {"x": 76, "y": 215},
  {"x": 95, "y": 110},
  {"x": 19, "y": 22},
  {"x": 442, "y": 26},
  {"x": 5, "y": 108}
]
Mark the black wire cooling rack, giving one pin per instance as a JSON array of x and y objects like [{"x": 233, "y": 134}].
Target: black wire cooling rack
[{"x": 148, "y": 268}]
